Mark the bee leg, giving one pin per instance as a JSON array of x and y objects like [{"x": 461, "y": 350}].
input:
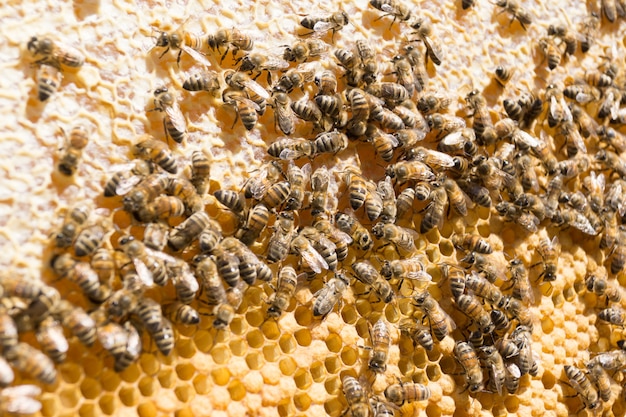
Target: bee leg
[
  {"x": 167, "y": 134},
  {"x": 180, "y": 52},
  {"x": 164, "y": 52}
]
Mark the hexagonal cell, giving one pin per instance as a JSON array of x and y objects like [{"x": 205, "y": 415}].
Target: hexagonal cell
[
  {"x": 129, "y": 396},
  {"x": 287, "y": 365},
  {"x": 237, "y": 390},
  {"x": 349, "y": 356},
  {"x": 221, "y": 376},
  {"x": 147, "y": 386},
  {"x": 303, "y": 337},
  {"x": 254, "y": 318},
  {"x": 69, "y": 397},
  {"x": 363, "y": 307},
  {"x": 131, "y": 374},
  {"x": 254, "y": 360},
  {"x": 149, "y": 363},
  {"x": 302, "y": 401},
  {"x": 303, "y": 315},
  {"x": 318, "y": 371},
  {"x": 184, "y": 412},
  {"x": 512, "y": 403},
  {"x": 88, "y": 410},
  {"x": 108, "y": 403},
  {"x": 285, "y": 408},
  {"x": 287, "y": 343},
  {"x": 185, "y": 371},
  {"x": 434, "y": 372},
  {"x": 432, "y": 410},
  {"x": 166, "y": 378},
  {"x": 91, "y": 365},
  {"x": 146, "y": 409},
  {"x": 203, "y": 340},
  {"x": 71, "y": 373},
  {"x": 349, "y": 314},
  {"x": 332, "y": 385},
  {"x": 334, "y": 407},
  {"x": 184, "y": 392},
  {"x": 50, "y": 406},
  {"x": 221, "y": 354},
  {"x": 255, "y": 338},
  {"x": 271, "y": 352},
  {"x": 185, "y": 348},
  {"x": 90, "y": 388},
  {"x": 333, "y": 364},
  {"x": 334, "y": 342},
  {"x": 238, "y": 326},
  {"x": 238, "y": 347},
  {"x": 303, "y": 379}
]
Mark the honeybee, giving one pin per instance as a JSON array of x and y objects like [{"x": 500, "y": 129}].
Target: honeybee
[
  {"x": 549, "y": 250},
  {"x": 262, "y": 62},
  {"x": 481, "y": 287},
  {"x": 433, "y": 102},
  {"x": 394, "y": 8},
  {"x": 340, "y": 239},
  {"x": 290, "y": 149},
  {"x": 48, "y": 81},
  {"x": 369, "y": 64},
  {"x": 612, "y": 161},
  {"x": 131, "y": 350},
  {"x": 503, "y": 74},
  {"x": 404, "y": 73},
  {"x": 302, "y": 246},
  {"x": 284, "y": 117},
  {"x": 381, "y": 340},
  {"x": 434, "y": 210},
  {"x": 330, "y": 142},
  {"x": 155, "y": 151},
  {"x": 82, "y": 275},
  {"x": 298, "y": 179},
  {"x": 206, "y": 80},
  {"x": 247, "y": 109},
  {"x": 301, "y": 51},
  {"x": 330, "y": 294},
  {"x": 587, "y": 30},
  {"x": 276, "y": 195},
  {"x": 602, "y": 287},
  {"x": 365, "y": 272},
  {"x": 284, "y": 230},
  {"x": 8, "y": 331},
  {"x": 516, "y": 11},
  {"x": 483, "y": 125},
  {"x": 247, "y": 261},
  {"x": 420, "y": 75},
  {"x": 55, "y": 54},
  {"x": 125, "y": 179},
  {"x": 423, "y": 30},
  {"x": 613, "y": 315},
  {"x": 387, "y": 194},
  {"x": 415, "y": 170},
  {"x": 174, "y": 123},
  {"x": 255, "y": 223},
  {"x": 445, "y": 123},
  {"x": 308, "y": 110},
  {"x": 550, "y": 51},
  {"x": 296, "y": 78},
  {"x": 601, "y": 379},
  {"x": 441, "y": 324},
  {"x": 149, "y": 264},
  {"x": 20, "y": 399},
  {"x": 493, "y": 360},
  {"x": 286, "y": 288},
  {"x": 207, "y": 272},
  {"x": 348, "y": 224},
  {"x": 163, "y": 207},
  {"x": 356, "y": 397},
  {"x": 404, "y": 393},
  {"x": 511, "y": 377},
  {"x": 419, "y": 333},
  {"x": 231, "y": 38},
  {"x": 389, "y": 120},
  {"x": 520, "y": 282},
  {"x": 322, "y": 24},
  {"x": 610, "y": 10},
  {"x": 32, "y": 362},
  {"x": 474, "y": 310},
  {"x": 567, "y": 36},
  {"x": 188, "y": 230},
  {"x": 390, "y": 92},
  {"x": 233, "y": 200},
  {"x": 357, "y": 187},
  {"x": 225, "y": 312},
  {"x": 113, "y": 337},
  {"x": 51, "y": 339},
  {"x": 466, "y": 355},
  {"x": 103, "y": 263},
  {"x": 526, "y": 362},
  {"x": 81, "y": 324},
  {"x": 7, "y": 376},
  {"x": 611, "y": 360},
  {"x": 74, "y": 219},
  {"x": 583, "y": 386},
  {"x": 402, "y": 238},
  {"x": 164, "y": 337},
  {"x": 471, "y": 243},
  {"x": 74, "y": 146}
]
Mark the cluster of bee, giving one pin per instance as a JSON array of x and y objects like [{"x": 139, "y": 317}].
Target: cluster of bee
[{"x": 298, "y": 218}]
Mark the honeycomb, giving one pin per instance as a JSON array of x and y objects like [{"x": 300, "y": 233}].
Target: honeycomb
[{"x": 298, "y": 364}]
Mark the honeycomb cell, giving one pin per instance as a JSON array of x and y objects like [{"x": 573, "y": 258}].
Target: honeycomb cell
[
  {"x": 271, "y": 330},
  {"x": 184, "y": 412},
  {"x": 303, "y": 379},
  {"x": 420, "y": 359},
  {"x": 433, "y": 372},
  {"x": 185, "y": 348},
  {"x": 238, "y": 347},
  {"x": 349, "y": 356},
  {"x": 254, "y": 318},
  {"x": 88, "y": 410},
  {"x": 237, "y": 390},
  {"x": 432, "y": 410},
  {"x": 303, "y": 337},
  {"x": 302, "y": 401},
  {"x": 333, "y": 364},
  {"x": 512, "y": 404},
  {"x": 287, "y": 343},
  {"x": 147, "y": 409},
  {"x": 149, "y": 363},
  {"x": 221, "y": 354},
  {"x": 69, "y": 397},
  {"x": 363, "y": 307},
  {"x": 201, "y": 384},
  {"x": 129, "y": 396},
  {"x": 185, "y": 371},
  {"x": 203, "y": 340},
  {"x": 90, "y": 388},
  {"x": 239, "y": 326},
  {"x": 221, "y": 375},
  {"x": 108, "y": 403},
  {"x": 271, "y": 352},
  {"x": 287, "y": 365},
  {"x": 184, "y": 393},
  {"x": 50, "y": 406},
  {"x": 333, "y": 407},
  {"x": 334, "y": 342},
  {"x": 147, "y": 386},
  {"x": 349, "y": 314},
  {"x": 91, "y": 365},
  {"x": 131, "y": 374},
  {"x": 318, "y": 371},
  {"x": 166, "y": 378},
  {"x": 254, "y": 360},
  {"x": 255, "y": 338},
  {"x": 186, "y": 331},
  {"x": 71, "y": 373},
  {"x": 285, "y": 408},
  {"x": 548, "y": 379},
  {"x": 303, "y": 315}
]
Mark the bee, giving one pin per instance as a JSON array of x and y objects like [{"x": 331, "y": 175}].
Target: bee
[
  {"x": 174, "y": 123},
  {"x": 262, "y": 62},
  {"x": 607, "y": 135},
  {"x": 182, "y": 40},
  {"x": 124, "y": 180},
  {"x": 551, "y": 52},
  {"x": 434, "y": 210},
  {"x": 319, "y": 24},
  {"x": 330, "y": 142},
  {"x": 255, "y": 223},
  {"x": 520, "y": 282},
  {"x": 8, "y": 332},
  {"x": 81, "y": 324},
  {"x": 609, "y": 10},
  {"x": 284, "y": 230},
  {"x": 521, "y": 336},
  {"x": 583, "y": 387},
  {"x": 613, "y": 315},
  {"x": 602, "y": 287},
  {"x": 114, "y": 338},
  {"x": 207, "y": 272},
  {"x": 247, "y": 261},
  {"x": 601, "y": 379},
  {"x": 149, "y": 313},
  {"x": 411, "y": 117},
  {"x": 381, "y": 340},
  {"x": 516, "y": 11},
  {"x": 48, "y": 81},
  {"x": 149, "y": 264},
  {"x": 420, "y": 75},
  {"x": 247, "y": 109},
  {"x": 355, "y": 396},
  {"x": 155, "y": 151},
  {"x": 301, "y": 245},
  {"x": 567, "y": 37},
  {"x": 200, "y": 171},
  {"x": 494, "y": 362},
  {"x": 131, "y": 349},
  {"x": 289, "y": 149},
  {"x": 51, "y": 339},
  {"x": 298, "y": 179},
  {"x": 399, "y": 236},
  {"x": 276, "y": 195},
  {"x": 388, "y": 91},
  {"x": 400, "y": 394},
  {"x": 331, "y": 106},
  {"x": 611, "y": 360},
  {"x": 587, "y": 30},
  {"x": 404, "y": 202},
  {"x": 474, "y": 310},
  {"x": 384, "y": 189},
  {"x": 185, "y": 190},
  {"x": 185, "y": 283},
  {"x": 284, "y": 117},
  {"x": 471, "y": 243},
  {"x": 230, "y": 38},
  {"x": 32, "y": 362},
  {"x": 415, "y": 170},
  {"x": 82, "y": 275},
  {"x": 528, "y": 177},
  {"x": 369, "y": 64},
  {"x": 445, "y": 123},
  {"x": 330, "y": 294},
  {"x": 55, "y": 54},
  {"x": 71, "y": 227},
  {"x": 357, "y": 187},
  {"x": 423, "y": 30},
  {"x": 286, "y": 288},
  {"x": 365, "y": 272},
  {"x": 302, "y": 51},
  {"x": 483, "y": 125},
  {"x": 20, "y": 399},
  {"x": 394, "y": 8},
  {"x": 103, "y": 263},
  {"x": 404, "y": 73},
  {"x": 322, "y": 244},
  {"x": 584, "y": 94},
  {"x": 507, "y": 128},
  {"x": 511, "y": 377},
  {"x": 611, "y": 161},
  {"x": 188, "y": 230},
  {"x": 419, "y": 333},
  {"x": 388, "y": 119},
  {"x": 340, "y": 239},
  {"x": 233, "y": 200},
  {"x": 75, "y": 144},
  {"x": 164, "y": 337},
  {"x": 467, "y": 357},
  {"x": 481, "y": 287},
  {"x": 307, "y": 110},
  {"x": 360, "y": 109},
  {"x": 610, "y": 104},
  {"x": 456, "y": 276},
  {"x": 163, "y": 208},
  {"x": 206, "y": 80},
  {"x": 225, "y": 312},
  {"x": 441, "y": 324},
  {"x": 500, "y": 320},
  {"x": 242, "y": 82},
  {"x": 7, "y": 376},
  {"x": 295, "y": 78},
  {"x": 348, "y": 224},
  {"x": 504, "y": 75},
  {"x": 433, "y": 102}
]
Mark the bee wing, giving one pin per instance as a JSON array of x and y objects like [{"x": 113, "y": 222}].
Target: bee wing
[
  {"x": 176, "y": 117},
  {"x": 189, "y": 280},
  {"x": 56, "y": 335},
  {"x": 554, "y": 107},
  {"x": 111, "y": 335},
  {"x": 529, "y": 221},
  {"x": 582, "y": 223},
  {"x": 387, "y": 8},
  {"x": 422, "y": 278},
  {"x": 323, "y": 26},
  {"x": 451, "y": 323},
  {"x": 434, "y": 50},
  {"x": 145, "y": 275},
  {"x": 257, "y": 88},
  {"x": 290, "y": 154},
  {"x": 21, "y": 405},
  {"x": 160, "y": 255},
  {"x": 453, "y": 139},
  {"x": 133, "y": 344},
  {"x": 497, "y": 380},
  {"x": 576, "y": 137},
  {"x": 196, "y": 55},
  {"x": 313, "y": 259},
  {"x": 286, "y": 119},
  {"x": 528, "y": 139},
  {"x": 248, "y": 102},
  {"x": 27, "y": 390}
]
